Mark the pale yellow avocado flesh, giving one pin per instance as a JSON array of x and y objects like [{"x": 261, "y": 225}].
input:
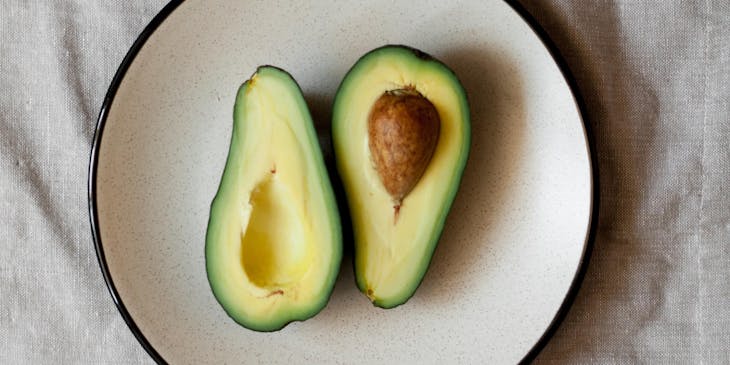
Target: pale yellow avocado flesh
[
  {"x": 392, "y": 256},
  {"x": 273, "y": 246}
]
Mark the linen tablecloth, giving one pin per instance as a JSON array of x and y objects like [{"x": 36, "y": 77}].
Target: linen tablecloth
[{"x": 654, "y": 75}]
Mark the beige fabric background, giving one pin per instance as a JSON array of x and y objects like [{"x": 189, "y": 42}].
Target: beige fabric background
[{"x": 655, "y": 78}]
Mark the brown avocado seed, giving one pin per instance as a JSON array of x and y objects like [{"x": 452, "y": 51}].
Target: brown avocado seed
[{"x": 403, "y": 130}]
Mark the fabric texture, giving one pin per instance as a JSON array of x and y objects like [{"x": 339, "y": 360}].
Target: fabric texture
[{"x": 654, "y": 76}]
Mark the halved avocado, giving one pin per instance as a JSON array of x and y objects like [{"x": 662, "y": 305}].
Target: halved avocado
[
  {"x": 396, "y": 234},
  {"x": 274, "y": 243}
]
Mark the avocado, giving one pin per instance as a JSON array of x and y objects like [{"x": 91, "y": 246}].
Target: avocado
[
  {"x": 401, "y": 134},
  {"x": 274, "y": 243}
]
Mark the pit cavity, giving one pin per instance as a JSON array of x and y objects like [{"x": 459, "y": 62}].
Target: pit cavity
[{"x": 274, "y": 247}]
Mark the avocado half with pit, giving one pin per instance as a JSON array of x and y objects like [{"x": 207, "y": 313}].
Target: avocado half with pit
[
  {"x": 273, "y": 246},
  {"x": 401, "y": 134}
]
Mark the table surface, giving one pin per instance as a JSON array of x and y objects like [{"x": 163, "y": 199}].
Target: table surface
[{"x": 655, "y": 79}]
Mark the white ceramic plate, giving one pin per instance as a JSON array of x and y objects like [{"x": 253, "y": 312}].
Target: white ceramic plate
[{"x": 515, "y": 243}]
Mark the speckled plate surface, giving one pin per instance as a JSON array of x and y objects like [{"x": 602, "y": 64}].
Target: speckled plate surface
[{"x": 516, "y": 242}]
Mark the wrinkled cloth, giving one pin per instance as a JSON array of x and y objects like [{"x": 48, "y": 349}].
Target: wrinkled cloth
[{"x": 654, "y": 76}]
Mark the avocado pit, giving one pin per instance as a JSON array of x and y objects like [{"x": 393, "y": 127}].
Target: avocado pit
[{"x": 403, "y": 131}]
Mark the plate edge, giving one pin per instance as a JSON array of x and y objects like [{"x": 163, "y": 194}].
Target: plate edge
[
  {"x": 93, "y": 168},
  {"x": 580, "y": 274}
]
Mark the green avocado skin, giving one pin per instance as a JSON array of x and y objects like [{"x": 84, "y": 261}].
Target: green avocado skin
[
  {"x": 226, "y": 194},
  {"x": 339, "y": 136}
]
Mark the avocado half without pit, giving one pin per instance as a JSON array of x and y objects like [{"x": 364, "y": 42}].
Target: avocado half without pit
[
  {"x": 273, "y": 245},
  {"x": 401, "y": 134}
]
